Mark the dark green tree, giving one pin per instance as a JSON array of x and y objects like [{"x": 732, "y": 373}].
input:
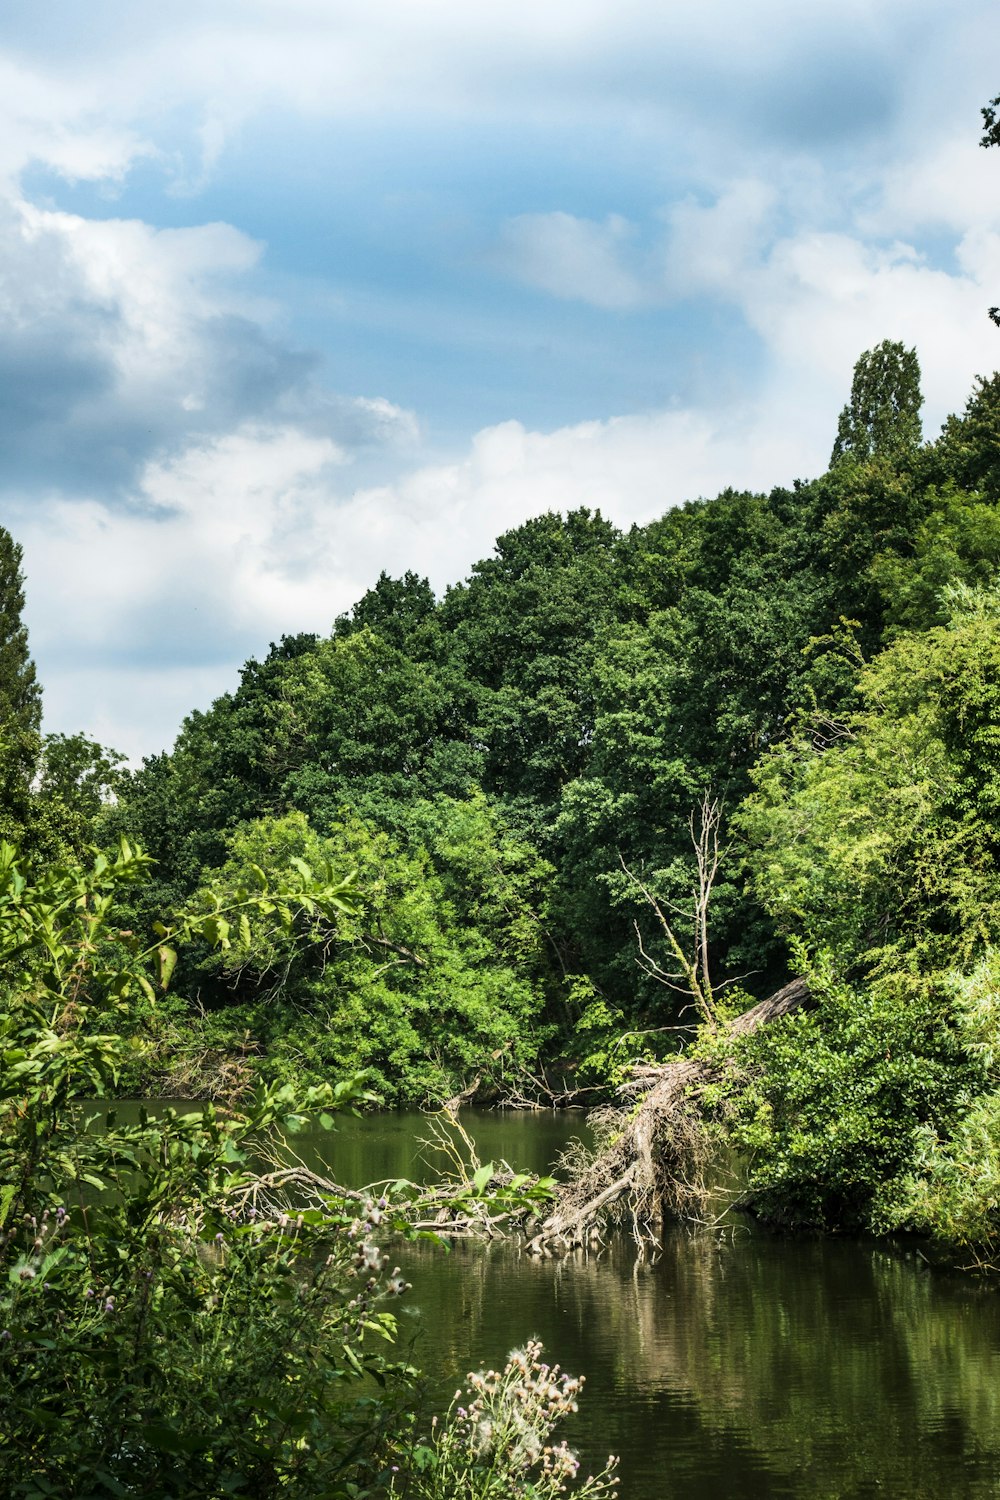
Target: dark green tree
[
  {"x": 75, "y": 783},
  {"x": 400, "y": 609},
  {"x": 20, "y": 694},
  {"x": 882, "y": 418},
  {"x": 968, "y": 450},
  {"x": 527, "y": 626}
]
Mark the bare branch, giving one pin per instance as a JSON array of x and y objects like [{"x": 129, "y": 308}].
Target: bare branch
[{"x": 704, "y": 824}]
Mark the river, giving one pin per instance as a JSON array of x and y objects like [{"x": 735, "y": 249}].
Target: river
[{"x": 738, "y": 1364}]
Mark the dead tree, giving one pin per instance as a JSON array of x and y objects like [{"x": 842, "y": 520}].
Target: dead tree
[
  {"x": 654, "y": 1161},
  {"x": 692, "y": 976}
]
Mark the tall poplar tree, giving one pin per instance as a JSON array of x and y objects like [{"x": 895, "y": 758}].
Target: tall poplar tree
[
  {"x": 20, "y": 695},
  {"x": 882, "y": 418}
]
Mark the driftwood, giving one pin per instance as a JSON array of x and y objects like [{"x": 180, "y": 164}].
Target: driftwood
[
  {"x": 447, "y": 1208},
  {"x": 469, "y": 1200},
  {"x": 653, "y": 1163}
]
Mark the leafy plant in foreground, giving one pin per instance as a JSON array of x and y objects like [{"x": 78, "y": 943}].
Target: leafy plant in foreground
[{"x": 154, "y": 1340}]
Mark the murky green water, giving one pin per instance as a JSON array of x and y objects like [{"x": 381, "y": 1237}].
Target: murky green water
[{"x": 740, "y": 1366}]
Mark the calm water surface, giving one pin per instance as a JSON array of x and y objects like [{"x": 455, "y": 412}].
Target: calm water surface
[{"x": 737, "y": 1366}]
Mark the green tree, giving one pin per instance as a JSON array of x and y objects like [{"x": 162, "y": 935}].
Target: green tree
[
  {"x": 876, "y": 848},
  {"x": 882, "y": 417},
  {"x": 440, "y": 981},
  {"x": 968, "y": 450},
  {"x": 399, "y": 609},
  {"x": 156, "y": 1339},
  {"x": 526, "y": 627},
  {"x": 20, "y": 695}
]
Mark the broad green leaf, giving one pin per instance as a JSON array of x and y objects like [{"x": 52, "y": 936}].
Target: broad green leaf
[{"x": 168, "y": 962}]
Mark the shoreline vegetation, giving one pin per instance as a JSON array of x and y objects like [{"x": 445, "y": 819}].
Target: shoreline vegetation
[{"x": 698, "y": 824}]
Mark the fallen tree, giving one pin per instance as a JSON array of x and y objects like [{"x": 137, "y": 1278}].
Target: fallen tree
[
  {"x": 469, "y": 1199},
  {"x": 654, "y": 1155}
]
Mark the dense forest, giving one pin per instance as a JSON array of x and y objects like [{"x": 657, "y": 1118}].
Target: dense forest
[
  {"x": 612, "y": 788},
  {"x": 552, "y": 835}
]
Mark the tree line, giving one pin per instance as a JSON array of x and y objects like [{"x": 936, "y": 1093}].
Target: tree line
[{"x": 512, "y": 769}]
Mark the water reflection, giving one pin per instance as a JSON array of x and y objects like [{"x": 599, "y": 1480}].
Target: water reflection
[
  {"x": 744, "y": 1366},
  {"x": 752, "y": 1367}
]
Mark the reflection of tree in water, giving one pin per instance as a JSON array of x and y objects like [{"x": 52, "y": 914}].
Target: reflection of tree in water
[{"x": 755, "y": 1367}]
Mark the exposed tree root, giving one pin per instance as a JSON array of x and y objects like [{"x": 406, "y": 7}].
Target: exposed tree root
[{"x": 654, "y": 1160}]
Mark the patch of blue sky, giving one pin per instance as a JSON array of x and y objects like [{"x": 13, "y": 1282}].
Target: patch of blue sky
[
  {"x": 462, "y": 365},
  {"x": 381, "y": 250}
]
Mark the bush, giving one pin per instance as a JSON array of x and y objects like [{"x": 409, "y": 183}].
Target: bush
[{"x": 153, "y": 1339}]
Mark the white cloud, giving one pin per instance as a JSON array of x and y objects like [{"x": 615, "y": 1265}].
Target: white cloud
[
  {"x": 710, "y": 246},
  {"x": 258, "y": 531},
  {"x": 196, "y": 485},
  {"x": 99, "y": 88},
  {"x": 573, "y": 258},
  {"x": 256, "y": 535}
]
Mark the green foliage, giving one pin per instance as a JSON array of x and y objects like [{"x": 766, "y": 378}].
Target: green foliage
[
  {"x": 876, "y": 841},
  {"x": 75, "y": 784},
  {"x": 438, "y": 981},
  {"x": 828, "y": 1106},
  {"x": 154, "y": 1338},
  {"x": 878, "y": 832},
  {"x": 968, "y": 450},
  {"x": 501, "y": 764},
  {"x": 20, "y": 696},
  {"x": 952, "y": 1188},
  {"x": 882, "y": 418},
  {"x": 957, "y": 542}
]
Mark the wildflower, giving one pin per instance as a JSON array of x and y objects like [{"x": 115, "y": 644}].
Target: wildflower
[
  {"x": 369, "y": 1258},
  {"x": 109, "y": 1304}
]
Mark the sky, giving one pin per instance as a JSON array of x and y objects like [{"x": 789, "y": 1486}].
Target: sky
[{"x": 296, "y": 291}]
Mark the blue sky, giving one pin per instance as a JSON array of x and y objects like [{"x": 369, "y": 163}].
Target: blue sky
[{"x": 292, "y": 291}]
